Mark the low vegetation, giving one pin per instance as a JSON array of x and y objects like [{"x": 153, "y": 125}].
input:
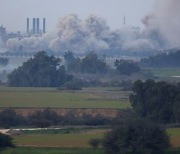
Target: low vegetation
[
  {"x": 70, "y": 139},
  {"x": 96, "y": 98},
  {"x": 45, "y": 118},
  {"x": 27, "y": 150}
]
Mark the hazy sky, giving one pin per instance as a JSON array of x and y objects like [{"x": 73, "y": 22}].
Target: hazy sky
[{"x": 13, "y": 13}]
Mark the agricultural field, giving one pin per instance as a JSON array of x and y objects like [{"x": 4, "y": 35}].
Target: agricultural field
[
  {"x": 76, "y": 138},
  {"x": 27, "y": 150},
  {"x": 107, "y": 98},
  {"x": 166, "y": 72},
  {"x": 175, "y": 136},
  {"x": 74, "y": 142}
]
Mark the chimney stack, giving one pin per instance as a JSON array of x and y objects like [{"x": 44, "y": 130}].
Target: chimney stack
[
  {"x": 34, "y": 25},
  {"x": 44, "y": 25},
  {"x": 37, "y": 24},
  {"x": 27, "y": 26}
]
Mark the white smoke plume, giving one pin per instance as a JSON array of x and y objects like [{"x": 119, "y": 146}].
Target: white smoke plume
[
  {"x": 1, "y": 42},
  {"x": 163, "y": 24},
  {"x": 2, "y": 48},
  {"x": 30, "y": 44},
  {"x": 77, "y": 35},
  {"x": 91, "y": 34},
  {"x": 162, "y": 30}
]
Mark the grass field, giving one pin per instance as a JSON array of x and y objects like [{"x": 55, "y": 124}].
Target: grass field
[
  {"x": 175, "y": 136},
  {"x": 75, "y": 138},
  {"x": 166, "y": 72},
  {"x": 65, "y": 130},
  {"x": 28, "y": 150},
  {"x": 74, "y": 143},
  {"x": 50, "y": 97}
]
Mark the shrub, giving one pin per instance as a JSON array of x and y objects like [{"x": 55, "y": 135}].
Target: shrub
[
  {"x": 136, "y": 135},
  {"x": 5, "y": 141},
  {"x": 95, "y": 143},
  {"x": 73, "y": 85}
]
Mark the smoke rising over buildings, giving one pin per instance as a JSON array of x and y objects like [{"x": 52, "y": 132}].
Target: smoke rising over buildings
[
  {"x": 163, "y": 23},
  {"x": 93, "y": 34}
]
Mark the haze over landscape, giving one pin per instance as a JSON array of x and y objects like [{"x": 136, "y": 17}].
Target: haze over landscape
[{"x": 89, "y": 76}]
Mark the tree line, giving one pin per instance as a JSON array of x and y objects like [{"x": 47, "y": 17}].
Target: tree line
[
  {"x": 47, "y": 117},
  {"x": 47, "y": 71},
  {"x": 169, "y": 59},
  {"x": 40, "y": 71}
]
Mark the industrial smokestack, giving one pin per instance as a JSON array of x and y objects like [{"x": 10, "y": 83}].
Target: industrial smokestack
[
  {"x": 44, "y": 25},
  {"x": 37, "y": 24},
  {"x": 34, "y": 25},
  {"x": 27, "y": 26}
]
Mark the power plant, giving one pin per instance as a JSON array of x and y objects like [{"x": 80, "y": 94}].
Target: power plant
[{"x": 36, "y": 31}]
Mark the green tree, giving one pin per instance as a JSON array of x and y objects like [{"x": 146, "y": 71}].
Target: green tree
[
  {"x": 136, "y": 135},
  {"x": 176, "y": 108},
  {"x": 154, "y": 101},
  {"x": 40, "y": 71},
  {"x": 126, "y": 67},
  {"x": 92, "y": 64},
  {"x": 73, "y": 64},
  {"x": 162, "y": 60}
]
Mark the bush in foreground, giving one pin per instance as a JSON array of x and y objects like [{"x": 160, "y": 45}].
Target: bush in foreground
[
  {"x": 136, "y": 135},
  {"x": 5, "y": 141},
  {"x": 95, "y": 143}
]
